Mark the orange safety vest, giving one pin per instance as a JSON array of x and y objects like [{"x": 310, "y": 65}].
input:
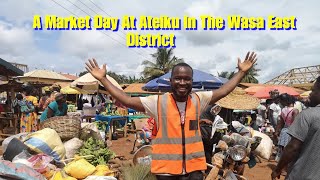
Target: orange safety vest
[{"x": 177, "y": 146}]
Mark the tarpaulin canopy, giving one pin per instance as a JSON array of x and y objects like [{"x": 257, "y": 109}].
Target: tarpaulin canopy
[
  {"x": 153, "y": 85},
  {"x": 263, "y": 93},
  {"x": 91, "y": 85},
  {"x": 200, "y": 80},
  {"x": 70, "y": 90}
]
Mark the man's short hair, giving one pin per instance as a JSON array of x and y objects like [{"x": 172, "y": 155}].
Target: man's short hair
[{"x": 181, "y": 65}]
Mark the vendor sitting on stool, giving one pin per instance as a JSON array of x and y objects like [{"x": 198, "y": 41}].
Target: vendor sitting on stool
[{"x": 56, "y": 108}]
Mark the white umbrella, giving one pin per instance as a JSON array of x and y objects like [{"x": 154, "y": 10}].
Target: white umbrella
[{"x": 90, "y": 84}]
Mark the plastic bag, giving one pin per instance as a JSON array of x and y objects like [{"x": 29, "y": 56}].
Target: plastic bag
[
  {"x": 14, "y": 148},
  {"x": 6, "y": 141},
  {"x": 90, "y": 130},
  {"x": 79, "y": 168},
  {"x": 242, "y": 129},
  {"x": 100, "y": 178},
  {"x": 218, "y": 124},
  {"x": 145, "y": 160},
  {"x": 72, "y": 146},
  {"x": 47, "y": 141},
  {"x": 9, "y": 170},
  {"x": 23, "y": 158},
  {"x": 50, "y": 171},
  {"x": 40, "y": 162},
  {"x": 103, "y": 170}
]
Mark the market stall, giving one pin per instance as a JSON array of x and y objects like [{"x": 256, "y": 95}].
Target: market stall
[
  {"x": 8, "y": 120},
  {"x": 89, "y": 84},
  {"x": 112, "y": 122}
]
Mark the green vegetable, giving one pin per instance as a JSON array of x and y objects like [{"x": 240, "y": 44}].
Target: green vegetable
[
  {"x": 101, "y": 125},
  {"x": 101, "y": 154}
]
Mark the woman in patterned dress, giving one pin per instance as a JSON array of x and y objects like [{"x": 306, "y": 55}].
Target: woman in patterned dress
[{"x": 29, "y": 120}]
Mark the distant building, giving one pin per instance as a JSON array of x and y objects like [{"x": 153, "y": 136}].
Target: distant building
[
  {"x": 302, "y": 77},
  {"x": 23, "y": 67}
]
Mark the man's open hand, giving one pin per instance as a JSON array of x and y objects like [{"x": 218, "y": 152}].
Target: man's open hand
[
  {"x": 93, "y": 68},
  {"x": 248, "y": 62}
]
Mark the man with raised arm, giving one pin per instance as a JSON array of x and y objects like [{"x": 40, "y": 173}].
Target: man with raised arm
[{"x": 177, "y": 149}]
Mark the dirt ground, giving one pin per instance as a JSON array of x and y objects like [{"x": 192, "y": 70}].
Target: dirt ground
[{"x": 262, "y": 171}]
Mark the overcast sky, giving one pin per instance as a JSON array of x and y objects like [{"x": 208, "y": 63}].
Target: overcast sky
[{"x": 211, "y": 51}]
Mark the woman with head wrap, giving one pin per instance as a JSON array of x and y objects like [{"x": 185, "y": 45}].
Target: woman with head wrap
[
  {"x": 56, "y": 108},
  {"x": 50, "y": 99}
]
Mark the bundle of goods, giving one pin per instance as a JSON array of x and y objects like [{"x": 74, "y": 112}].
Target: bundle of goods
[
  {"x": 43, "y": 155},
  {"x": 67, "y": 127},
  {"x": 264, "y": 149},
  {"x": 46, "y": 141}
]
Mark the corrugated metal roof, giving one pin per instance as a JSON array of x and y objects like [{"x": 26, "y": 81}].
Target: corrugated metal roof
[
  {"x": 69, "y": 76},
  {"x": 45, "y": 74},
  {"x": 136, "y": 88},
  {"x": 7, "y": 69}
]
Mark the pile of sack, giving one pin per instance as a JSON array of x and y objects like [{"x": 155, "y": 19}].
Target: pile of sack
[
  {"x": 43, "y": 155},
  {"x": 264, "y": 149}
]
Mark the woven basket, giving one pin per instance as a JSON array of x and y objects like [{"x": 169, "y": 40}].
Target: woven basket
[
  {"x": 67, "y": 127},
  {"x": 238, "y": 99}
]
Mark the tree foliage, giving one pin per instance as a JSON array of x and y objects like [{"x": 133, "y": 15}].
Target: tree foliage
[
  {"x": 161, "y": 63},
  {"x": 226, "y": 74},
  {"x": 251, "y": 76},
  {"x": 121, "y": 79}
]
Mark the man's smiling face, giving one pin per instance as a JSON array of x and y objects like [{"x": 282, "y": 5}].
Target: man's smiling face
[{"x": 181, "y": 82}]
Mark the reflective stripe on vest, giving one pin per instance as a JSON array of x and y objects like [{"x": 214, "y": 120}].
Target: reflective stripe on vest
[
  {"x": 167, "y": 154},
  {"x": 176, "y": 156}
]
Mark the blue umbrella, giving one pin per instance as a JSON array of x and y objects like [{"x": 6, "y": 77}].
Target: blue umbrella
[
  {"x": 153, "y": 85},
  {"x": 200, "y": 80}
]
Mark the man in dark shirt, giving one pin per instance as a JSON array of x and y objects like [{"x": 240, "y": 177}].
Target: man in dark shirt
[{"x": 302, "y": 152}]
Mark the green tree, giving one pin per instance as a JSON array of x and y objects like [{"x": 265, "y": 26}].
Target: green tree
[
  {"x": 121, "y": 79},
  {"x": 82, "y": 73},
  {"x": 162, "y": 62},
  {"x": 251, "y": 75},
  {"x": 226, "y": 74}
]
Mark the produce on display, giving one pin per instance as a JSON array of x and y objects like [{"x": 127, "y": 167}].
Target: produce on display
[
  {"x": 101, "y": 125},
  {"x": 101, "y": 154}
]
